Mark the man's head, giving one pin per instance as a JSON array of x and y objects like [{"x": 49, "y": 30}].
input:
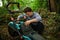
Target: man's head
[{"x": 28, "y": 11}]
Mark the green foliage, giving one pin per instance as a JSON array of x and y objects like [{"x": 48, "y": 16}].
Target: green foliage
[
  {"x": 3, "y": 12},
  {"x": 51, "y": 20},
  {"x": 34, "y": 4}
]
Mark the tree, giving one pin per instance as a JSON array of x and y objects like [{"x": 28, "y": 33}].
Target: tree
[{"x": 52, "y": 5}]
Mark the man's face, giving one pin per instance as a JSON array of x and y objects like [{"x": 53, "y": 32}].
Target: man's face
[{"x": 29, "y": 13}]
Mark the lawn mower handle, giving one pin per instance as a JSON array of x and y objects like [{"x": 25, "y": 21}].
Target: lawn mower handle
[{"x": 11, "y": 11}]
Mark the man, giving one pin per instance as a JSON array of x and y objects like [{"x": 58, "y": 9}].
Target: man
[{"x": 33, "y": 19}]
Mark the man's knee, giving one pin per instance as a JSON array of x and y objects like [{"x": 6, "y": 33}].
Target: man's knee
[{"x": 38, "y": 27}]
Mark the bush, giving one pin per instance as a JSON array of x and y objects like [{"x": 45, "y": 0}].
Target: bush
[{"x": 51, "y": 21}]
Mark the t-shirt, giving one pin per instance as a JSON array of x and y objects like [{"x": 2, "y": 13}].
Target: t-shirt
[{"x": 34, "y": 16}]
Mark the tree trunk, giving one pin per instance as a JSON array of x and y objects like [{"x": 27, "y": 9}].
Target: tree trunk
[
  {"x": 52, "y": 5},
  {"x": 58, "y": 5}
]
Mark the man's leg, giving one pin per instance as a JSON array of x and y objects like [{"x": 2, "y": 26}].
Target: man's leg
[{"x": 39, "y": 27}]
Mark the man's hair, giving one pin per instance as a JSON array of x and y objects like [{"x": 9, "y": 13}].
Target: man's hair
[{"x": 27, "y": 9}]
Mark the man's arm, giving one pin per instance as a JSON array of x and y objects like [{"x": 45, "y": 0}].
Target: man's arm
[
  {"x": 20, "y": 16},
  {"x": 33, "y": 20},
  {"x": 36, "y": 19}
]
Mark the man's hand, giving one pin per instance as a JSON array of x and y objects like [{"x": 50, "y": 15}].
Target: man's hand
[
  {"x": 24, "y": 17},
  {"x": 27, "y": 23},
  {"x": 30, "y": 21},
  {"x": 12, "y": 18}
]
